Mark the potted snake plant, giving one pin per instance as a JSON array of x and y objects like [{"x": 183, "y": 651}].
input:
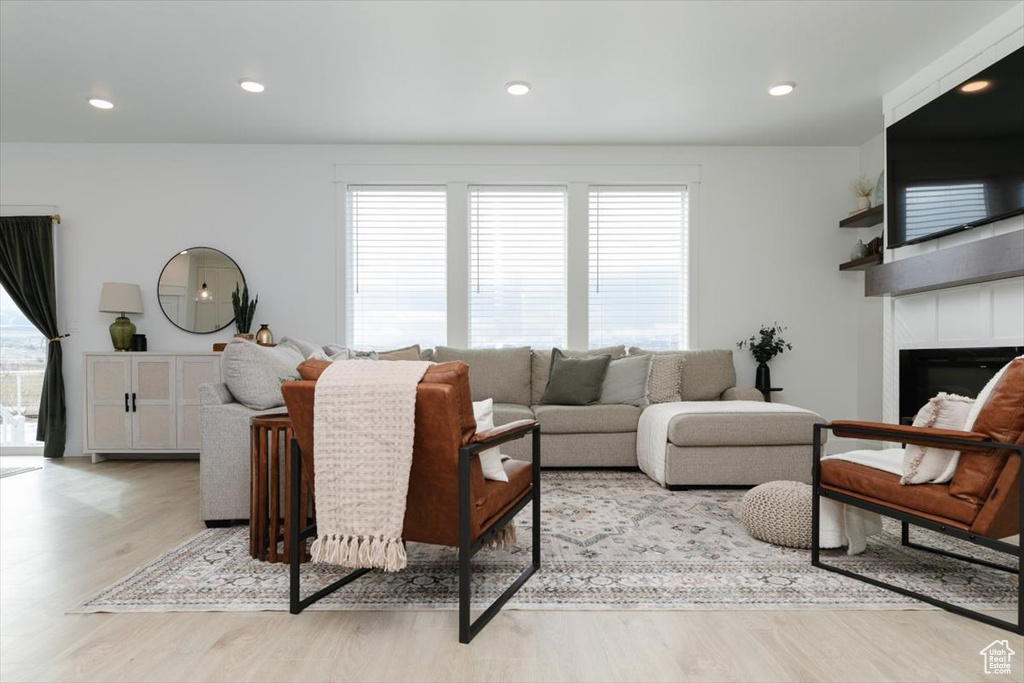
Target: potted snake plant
[{"x": 245, "y": 311}]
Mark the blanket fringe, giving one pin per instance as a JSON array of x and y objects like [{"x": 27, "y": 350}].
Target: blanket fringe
[
  {"x": 506, "y": 538},
  {"x": 360, "y": 552}
]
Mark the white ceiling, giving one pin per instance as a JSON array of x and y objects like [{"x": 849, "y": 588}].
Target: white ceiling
[{"x": 434, "y": 72}]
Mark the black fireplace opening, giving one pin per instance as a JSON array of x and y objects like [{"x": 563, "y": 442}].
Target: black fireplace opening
[{"x": 926, "y": 372}]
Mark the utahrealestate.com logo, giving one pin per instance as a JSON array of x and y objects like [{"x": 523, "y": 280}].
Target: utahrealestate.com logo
[{"x": 997, "y": 657}]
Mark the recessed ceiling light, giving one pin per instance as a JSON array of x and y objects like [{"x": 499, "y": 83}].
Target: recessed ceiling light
[
  {"x": 250, "y": 85},
  {"x": 974, "y": 86},
  {"x": 101, "y": 104},
  {"x": 517, "y": 87},
  {"x": 781, "y": 89}
]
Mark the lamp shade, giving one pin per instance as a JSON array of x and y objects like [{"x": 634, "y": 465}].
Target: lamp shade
[{"x": 120, "y": 297}]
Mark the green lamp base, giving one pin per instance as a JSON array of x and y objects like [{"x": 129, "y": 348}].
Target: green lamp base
[{"x": 121, "y": 331}]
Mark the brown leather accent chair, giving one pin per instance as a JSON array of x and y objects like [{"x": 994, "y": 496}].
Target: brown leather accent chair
[
  {"x": 449, "y": 501},
  {"x": 982, "y": 503}
]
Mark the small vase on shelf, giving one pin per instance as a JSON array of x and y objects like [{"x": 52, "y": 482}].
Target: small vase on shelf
[
  {"x": 264, "y": 337},
  {"x": 860, "y": 250},
  {"x": 863, "y": 203}
]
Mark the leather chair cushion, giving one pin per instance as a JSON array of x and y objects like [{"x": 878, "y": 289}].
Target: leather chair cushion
[
  {"x": 1000, "y": 419},
  {"x": 933, "y": 499},
  {"x": 499, "y": 496}
]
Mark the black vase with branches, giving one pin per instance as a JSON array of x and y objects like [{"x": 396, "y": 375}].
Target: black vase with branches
[{"x": 764, "y": 346}]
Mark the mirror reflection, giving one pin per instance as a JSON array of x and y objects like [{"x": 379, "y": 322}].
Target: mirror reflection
[{"x": 195, "y": 289}]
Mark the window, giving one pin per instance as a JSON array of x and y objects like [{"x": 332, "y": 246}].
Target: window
[
  {"x": 397, "y": 266},
  {"x": 638, "y": 267},
  {"x": 22, "y": 363},
  {"x": 517, "y": 266}
]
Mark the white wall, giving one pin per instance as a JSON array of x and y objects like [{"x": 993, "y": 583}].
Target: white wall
[
  {"x": 869, "y": 312},
  {"x": 767, "y": 243},
  {"x": 989, "y": 314}
]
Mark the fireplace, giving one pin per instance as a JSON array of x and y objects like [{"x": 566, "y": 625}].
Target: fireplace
[{"x": 926, "y": 372}]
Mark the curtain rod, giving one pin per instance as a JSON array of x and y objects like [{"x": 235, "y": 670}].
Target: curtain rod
[{"x": 54, "y": 217}]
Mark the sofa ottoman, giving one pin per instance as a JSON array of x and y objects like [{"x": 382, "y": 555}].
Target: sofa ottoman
[{"x": 716, "y": 443}]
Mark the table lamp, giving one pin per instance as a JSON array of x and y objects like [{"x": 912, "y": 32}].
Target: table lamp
[{"x": 122, "y": 298}]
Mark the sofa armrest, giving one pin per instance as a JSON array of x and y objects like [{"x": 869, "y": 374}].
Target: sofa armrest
[
  {"x": 224, "y": 457},
  {"x": 215, "y": 394},
  {"x": 742, "y": 394}
]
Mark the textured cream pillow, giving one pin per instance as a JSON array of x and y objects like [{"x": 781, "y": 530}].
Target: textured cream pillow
[
  {"x": 490, "y": 460},
  {"x": 665, "y": 382},
  {"x": 928, "y": 464}
]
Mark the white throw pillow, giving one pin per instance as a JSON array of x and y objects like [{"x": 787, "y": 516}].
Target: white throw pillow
[
  {"x": 928, "y": 464},
  {"x": 490, "y": 460}
]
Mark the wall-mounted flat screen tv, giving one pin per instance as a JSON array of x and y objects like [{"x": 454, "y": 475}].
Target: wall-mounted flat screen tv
[{"x": 958, "y": 161}]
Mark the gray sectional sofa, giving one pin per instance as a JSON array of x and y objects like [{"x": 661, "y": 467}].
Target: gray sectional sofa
[{"x": 714, "y": 445}]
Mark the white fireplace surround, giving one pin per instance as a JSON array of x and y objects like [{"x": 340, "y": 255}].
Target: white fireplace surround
[{"x": 981, "y": 315}]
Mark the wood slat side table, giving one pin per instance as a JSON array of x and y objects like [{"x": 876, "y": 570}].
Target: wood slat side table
[{"x": 270, "y": 438}]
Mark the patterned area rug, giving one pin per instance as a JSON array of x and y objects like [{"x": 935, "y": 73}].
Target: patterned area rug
[
  {"x": 611, "y": 540},
  {"x": 11, "y": 471}
]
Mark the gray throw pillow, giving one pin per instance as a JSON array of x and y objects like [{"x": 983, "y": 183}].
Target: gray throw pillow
[
  {"x": 254, "y": 373},
  {"x": 626, "y": 381},
  {"x": 575, "y": 381},
  {"x": 540, "y": 366},
  {"x": 307, "y": 349}
]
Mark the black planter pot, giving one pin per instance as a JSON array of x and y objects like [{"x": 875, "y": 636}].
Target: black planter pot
[{"x": 763, "y": 378}]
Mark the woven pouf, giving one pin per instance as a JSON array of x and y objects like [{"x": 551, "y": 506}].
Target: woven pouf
[{"x": 778, "y": 512}]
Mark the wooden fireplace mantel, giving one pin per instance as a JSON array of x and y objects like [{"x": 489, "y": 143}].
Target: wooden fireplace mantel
[{"x": 993, "y": 258}]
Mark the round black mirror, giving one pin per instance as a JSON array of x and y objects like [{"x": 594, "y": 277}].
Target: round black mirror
[{"x": 195, "y": 289}]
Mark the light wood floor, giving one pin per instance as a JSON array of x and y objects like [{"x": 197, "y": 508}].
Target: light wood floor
[{"x": 72, "y": 528}]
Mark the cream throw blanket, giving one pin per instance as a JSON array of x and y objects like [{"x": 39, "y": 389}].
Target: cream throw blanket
[{"x": 364, "y": 422}]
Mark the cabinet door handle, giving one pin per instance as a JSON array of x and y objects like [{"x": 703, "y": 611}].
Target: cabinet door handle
[
  {"x": 133, "y": 402},
  {"x": 126, "y": 401}
]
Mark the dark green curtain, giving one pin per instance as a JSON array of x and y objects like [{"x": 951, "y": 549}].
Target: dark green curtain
[{"x": 26, "y": 272}]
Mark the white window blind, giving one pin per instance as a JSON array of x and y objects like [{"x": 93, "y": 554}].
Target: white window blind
[
  {"x": 397, "y": 275},
  {"x": 517, "y": 266},
  {"x": 639, "y": 267},
  {"x": 937, "y": 207}
]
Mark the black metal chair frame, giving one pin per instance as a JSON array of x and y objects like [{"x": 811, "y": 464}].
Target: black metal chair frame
[
  {"x": 467, "y": 628},
  {"x": 906, "y": 519}
]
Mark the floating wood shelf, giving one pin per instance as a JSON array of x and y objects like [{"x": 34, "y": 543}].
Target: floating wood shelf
[
  {"x": 862, "y": 263},
  {"x": 865, "y": 219}
]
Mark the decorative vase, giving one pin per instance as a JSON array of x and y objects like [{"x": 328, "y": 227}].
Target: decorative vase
[
  {"x": 863, "y": 203},
  {"x": 860, "y": 250},
  {"x": 763, "y": 378},
  {"x": 121, "y": 331},
  {"x": 244, "y": 335},
  {"x": 264, "y": 337}
]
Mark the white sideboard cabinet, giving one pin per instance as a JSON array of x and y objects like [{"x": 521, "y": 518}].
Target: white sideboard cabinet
[{"x": 144, "y": 403}]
